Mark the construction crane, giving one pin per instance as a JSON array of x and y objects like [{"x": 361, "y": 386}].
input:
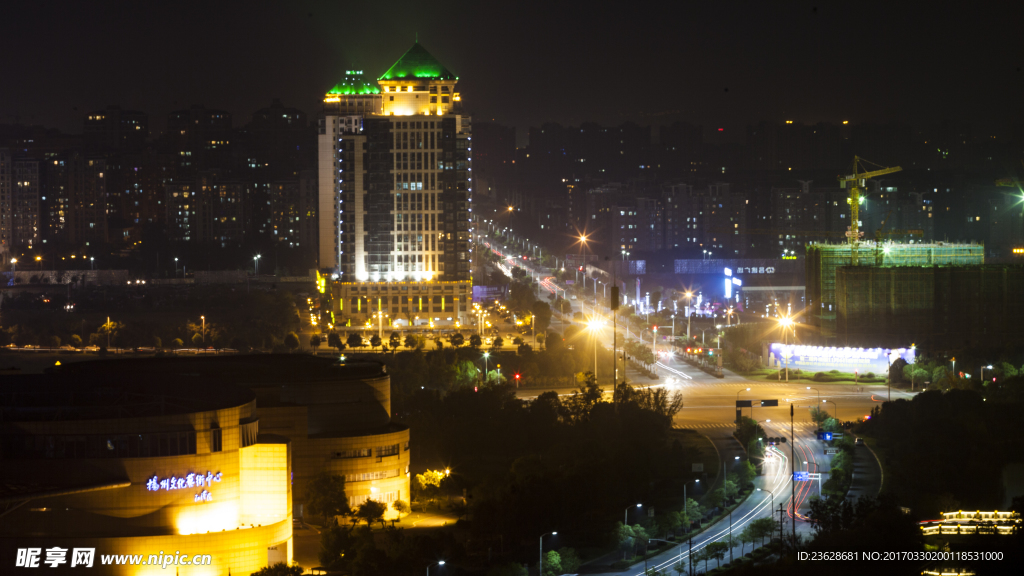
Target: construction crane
[{"x": 855, "y": 182}]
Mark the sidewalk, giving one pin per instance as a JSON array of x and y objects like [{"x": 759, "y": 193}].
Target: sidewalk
[{"x": 867, "y": 474}]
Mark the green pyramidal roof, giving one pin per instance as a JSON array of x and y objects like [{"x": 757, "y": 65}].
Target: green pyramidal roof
[
  {"x": 354, "y": 83},
  {"x": 418, "y": 63}
]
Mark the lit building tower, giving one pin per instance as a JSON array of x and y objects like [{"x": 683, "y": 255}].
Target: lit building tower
[{"x": 395, "y": 193}]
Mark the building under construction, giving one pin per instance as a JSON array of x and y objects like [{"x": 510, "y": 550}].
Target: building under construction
[
  {"x": 824, "y": 260},
  {"x": 936, "y": 307}
]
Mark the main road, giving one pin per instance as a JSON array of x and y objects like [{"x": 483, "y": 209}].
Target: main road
[{"x": 710, "y": 408}]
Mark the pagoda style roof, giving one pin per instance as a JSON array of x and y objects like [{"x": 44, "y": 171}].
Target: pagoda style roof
[{"x": 420, "y": 64}]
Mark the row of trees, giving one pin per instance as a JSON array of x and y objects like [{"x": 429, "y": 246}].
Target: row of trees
[{"x": 236, "y": 320}]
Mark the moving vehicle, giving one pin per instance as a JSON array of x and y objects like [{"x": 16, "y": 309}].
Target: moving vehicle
[{"x": 858, "y": 442}]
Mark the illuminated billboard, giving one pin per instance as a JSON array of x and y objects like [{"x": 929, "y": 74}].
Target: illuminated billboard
[{"x": 824, "y": 358}]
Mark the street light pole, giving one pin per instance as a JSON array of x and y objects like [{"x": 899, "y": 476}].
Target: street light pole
[
  {"x": 540, "y": 563},
  {"x": 625, "y": 517},
  {"x": 738, "y": 400},
  {"x": 816, "y": 390},
  {"x": 835, "y": 409},
  {"x": 438, "y": 563}
]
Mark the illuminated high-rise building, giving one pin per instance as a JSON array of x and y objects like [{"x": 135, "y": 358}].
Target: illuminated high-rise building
[{"x": 396, "y": 191}]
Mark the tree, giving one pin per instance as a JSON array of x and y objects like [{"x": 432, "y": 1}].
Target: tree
[
  {"x": 429, "y": 483},
  {"x": 411, "y": 341},
  {"x": 747, "y": 473},
  {"x": 475, "y": 341},
  {"x": 517, "y": 341},
  {"x": 818, "y": 415},
  {"x": 157, "y": 342},
  {"x": 395, "y": 340},
  {"x": 570, "y": 560},
  {"x": 76, "y": 340},
  {"x": 53, "y": 341},
  {"x": 279, "y": 569},
  {"x": 716, "y": 551},
  {"x": 915, "y": 374},
  {"x": 716, "y": 497},
  {"x": 457, "y": 340},
  {"x": 552, "y": 564},
  {"x": 762, "y": 528},
  {"x": 746, "y": 537},
  {"x": 375, "y": 341},
  {"x": 177, "y": 343},
  {"x": 732, "y": 489},
  {"x": 371, "y": 511},
  {"x": 325, "y": 496},
  {"x": 498, "y": 342},
  {"x": 197, "y": 340},
  {"x": 291, "y": 340},
  {"x": 692, "y": 512},
  {"x": 401, "y": 507},
  {"x": 354, "y": 340},
  {"x": 314, "y": 342},
  {"x": 541, "y": 315},
  {"x": 703, "y": 554},
  {"x": 334, "y": 341}
]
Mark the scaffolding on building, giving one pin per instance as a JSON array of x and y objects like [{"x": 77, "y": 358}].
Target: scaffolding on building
[{"x": 824, "y": 260}]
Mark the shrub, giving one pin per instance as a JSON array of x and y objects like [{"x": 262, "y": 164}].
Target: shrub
[{"x": 833, "y": 371}]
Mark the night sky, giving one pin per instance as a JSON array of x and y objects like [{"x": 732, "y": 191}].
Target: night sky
[{"x": 721, "y": 65}]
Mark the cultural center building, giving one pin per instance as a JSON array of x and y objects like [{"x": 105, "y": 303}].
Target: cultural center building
[{"x": 202, "y": 456}]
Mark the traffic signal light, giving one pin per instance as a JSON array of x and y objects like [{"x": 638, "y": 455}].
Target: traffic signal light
[{"x": 517, "y": 376}]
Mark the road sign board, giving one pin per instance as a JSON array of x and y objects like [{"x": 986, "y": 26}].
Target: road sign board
[
  {"x": 743, "y": 404},
  {"x": 801, "y": 476},
  {"x": 837, "y": 435},
  {"x": 769, "y": 403},
  {"x": 830, "y": 451},
  {"x": 826, "y": 436}
]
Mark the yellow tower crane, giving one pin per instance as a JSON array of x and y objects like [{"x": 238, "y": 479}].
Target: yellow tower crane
[{"x": 855, "y": 182}]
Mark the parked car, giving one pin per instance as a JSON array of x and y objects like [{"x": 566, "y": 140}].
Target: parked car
[{"x": 858, "y": 442}]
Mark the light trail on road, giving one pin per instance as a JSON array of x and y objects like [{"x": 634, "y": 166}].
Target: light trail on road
[
  {"x": 674, "y": 371},
  {"x": 777, "y": 482}
]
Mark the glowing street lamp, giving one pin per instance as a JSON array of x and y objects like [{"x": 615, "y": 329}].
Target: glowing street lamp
[
  {"x": 438, "y": 563},
  {"x": 786, "y": 323},
  {"x": 689, "y": 296},
  {"x": 595, "y": 327}
]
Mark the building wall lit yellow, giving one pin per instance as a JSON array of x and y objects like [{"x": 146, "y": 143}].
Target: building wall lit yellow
[
  {"x": 402, "y": 302},
  {"x": 240, "y": 515}
]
